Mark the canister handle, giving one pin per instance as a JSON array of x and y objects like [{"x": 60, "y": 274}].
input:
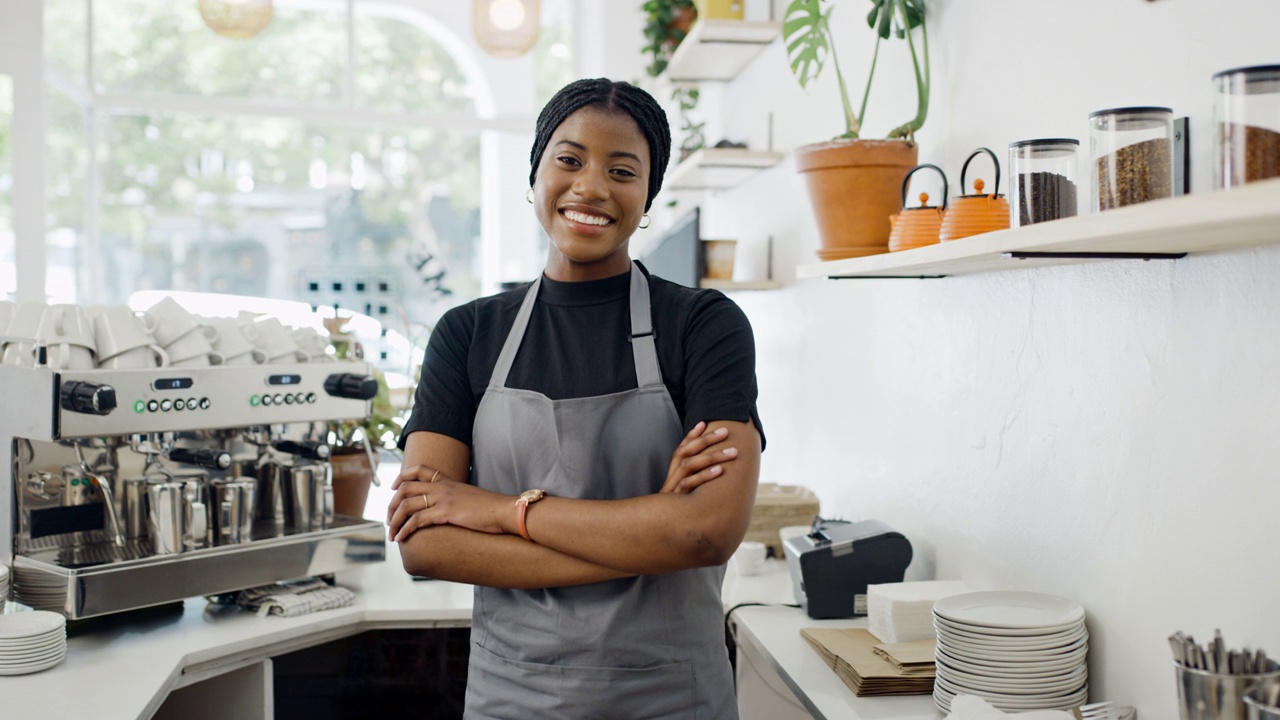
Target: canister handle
[
  {"x": 906, "y": 181},
  {"x": 994, "y": 161}
]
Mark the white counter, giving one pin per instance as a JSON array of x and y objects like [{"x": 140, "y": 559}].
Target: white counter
[{"x": 127, "y": 670}]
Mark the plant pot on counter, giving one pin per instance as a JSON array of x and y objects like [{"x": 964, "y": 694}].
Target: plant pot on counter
[
  {"x": 854, "y": 186},
  {"x": 352, "y": 476}
]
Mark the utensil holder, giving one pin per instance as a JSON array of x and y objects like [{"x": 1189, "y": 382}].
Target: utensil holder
[
  {"x": 1256, "y": 707},
  {"x": 1204, "y": 695}
]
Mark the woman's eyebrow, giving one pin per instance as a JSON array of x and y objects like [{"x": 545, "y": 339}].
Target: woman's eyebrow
[{"x": 616, "y": 154}]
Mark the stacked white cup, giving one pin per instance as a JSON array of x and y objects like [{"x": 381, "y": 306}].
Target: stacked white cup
[
  {"x": 311, "y": 342},
  {"x": 187, "y": 342},
  {"x": 20, "y": 337},
  {"x": 274, "y": 339},
  {"x": 232, "y": 344},
  {"x": 67, "y": 337},
  {"x": 125, "y": 339}
]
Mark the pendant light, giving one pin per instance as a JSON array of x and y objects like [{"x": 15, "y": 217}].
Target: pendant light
[
  {"x": 505, "y": 28},
  {"x": 239, "y": 19}
]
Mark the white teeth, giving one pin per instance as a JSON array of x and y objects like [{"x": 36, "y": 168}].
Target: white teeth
[{"x": 586, "y": 219}]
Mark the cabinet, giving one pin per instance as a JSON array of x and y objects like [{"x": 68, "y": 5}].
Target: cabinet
[{"x": 1157, "y": 230}]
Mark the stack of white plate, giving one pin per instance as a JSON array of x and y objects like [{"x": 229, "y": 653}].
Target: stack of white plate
[
  {"x": 1017, "y": 650},
  {"x": 31, "y": 641}
]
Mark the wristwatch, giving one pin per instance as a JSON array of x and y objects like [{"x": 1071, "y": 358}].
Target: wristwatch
[{"x": 527, "y": 498}]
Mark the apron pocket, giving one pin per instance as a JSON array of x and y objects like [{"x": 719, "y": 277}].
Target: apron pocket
[{"x": 502, "y": 688}]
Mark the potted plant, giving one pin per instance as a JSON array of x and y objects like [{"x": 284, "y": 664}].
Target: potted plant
[
  {"x": 855, "y": 184},
  {"x": 666, "y": 24},
  {"x": 693, "y": 138},
  {"x": 357, "y": 444}
]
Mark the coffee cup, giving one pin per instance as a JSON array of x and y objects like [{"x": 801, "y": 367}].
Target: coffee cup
[
  {"x": 147, "y": 356},
  {"x": 66, "y": 356},
  {"x": 311, "y": 342},
  {"x": 275, "y": 340},
  {"x": 65, "y": 324},
  {"x": 749, "y": 558},
  {"x": 6, "y": 314},
  {"x": 24, "y": 324},
  {"x": 193, "y": 344},
  {"x": 117, "y": 328},
  {"x": 253, "y": 357},
  {"x": 230, "y": 341},
  {"x": 172, "y": 321},
  {"x": 212, "y": 357}
]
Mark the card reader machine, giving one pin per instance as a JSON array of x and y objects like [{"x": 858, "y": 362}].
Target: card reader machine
[{"x": 832, "y": 565}]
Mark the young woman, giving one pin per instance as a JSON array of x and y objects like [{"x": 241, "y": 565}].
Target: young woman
[{"x": 586, "y": 450}]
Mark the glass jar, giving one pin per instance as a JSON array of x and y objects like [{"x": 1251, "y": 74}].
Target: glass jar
[
  {"x": 1132, "y": 153},
  {"x": 1246, "y": 113},
  {"x": 1044, "y": 180}
]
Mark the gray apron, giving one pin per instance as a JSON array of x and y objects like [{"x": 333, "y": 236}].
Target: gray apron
[{"x": 645, "y": 647}]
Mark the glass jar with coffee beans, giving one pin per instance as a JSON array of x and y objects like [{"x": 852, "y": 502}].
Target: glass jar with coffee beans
[
  {"x": 1132, "y": 155},
  {"x": 1247, "y": 125},
  {"x": 1044, "y": 180}
]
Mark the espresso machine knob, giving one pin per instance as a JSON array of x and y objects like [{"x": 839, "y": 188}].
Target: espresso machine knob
[
  {"x": 308, "y": 450},
  {"x": 351, "y": 385},
  {"x": 205, "y": 458},
  {"x": 88, "y": 398}
]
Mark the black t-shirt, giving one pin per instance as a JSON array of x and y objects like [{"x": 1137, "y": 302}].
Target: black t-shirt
[{"x": 578, "y": 345}]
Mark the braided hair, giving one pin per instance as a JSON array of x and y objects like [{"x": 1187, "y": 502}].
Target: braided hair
[{"x": 609, "y": 95}]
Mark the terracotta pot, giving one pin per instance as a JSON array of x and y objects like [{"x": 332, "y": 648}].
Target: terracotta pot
[
  {"x": 854, "y": 186},
  {"x": 352, "y": 477}
]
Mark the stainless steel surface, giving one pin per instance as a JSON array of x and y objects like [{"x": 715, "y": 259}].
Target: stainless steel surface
[
  {"x": 130, "y": 577},
  {"x": 1206, "y": 695},
  {"x": 104, "y": 506}
]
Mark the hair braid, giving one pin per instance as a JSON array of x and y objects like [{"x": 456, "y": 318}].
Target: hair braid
[{"x": 610, "y": 95}]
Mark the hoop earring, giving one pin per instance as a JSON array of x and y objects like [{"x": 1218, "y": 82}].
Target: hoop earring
[
  {"x": 645, "y": 219},
  {"x": 528, "y": 196}
]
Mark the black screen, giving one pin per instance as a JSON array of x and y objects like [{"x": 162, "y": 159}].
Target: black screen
[{"x": 678, "y": 255}]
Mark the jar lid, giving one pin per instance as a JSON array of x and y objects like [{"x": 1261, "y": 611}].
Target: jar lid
[
  {"x": 1131, "y": 110},
  {"x": 1043, "y": 141},
  {"x": 1268, "y": 70}
]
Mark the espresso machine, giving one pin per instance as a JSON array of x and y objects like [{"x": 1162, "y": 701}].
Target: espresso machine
[{"x": 128, "y": 488}]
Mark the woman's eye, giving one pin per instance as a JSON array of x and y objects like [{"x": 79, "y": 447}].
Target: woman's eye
[
  {"x": 568, "y": 159},
  {"x": 624, "y": 172}
]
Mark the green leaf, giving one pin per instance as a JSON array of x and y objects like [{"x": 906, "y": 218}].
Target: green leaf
[{"x": 805, "y": 33}]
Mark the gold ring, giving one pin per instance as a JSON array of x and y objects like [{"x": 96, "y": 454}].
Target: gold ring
[
  {"x": 425, "y": 504},
  {"x": 435, "y": 476}
]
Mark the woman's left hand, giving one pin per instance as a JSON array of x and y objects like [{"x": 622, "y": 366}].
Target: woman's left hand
[{"x": 426, "y": 497}]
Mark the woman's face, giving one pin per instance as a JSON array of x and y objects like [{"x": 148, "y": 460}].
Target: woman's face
[{"x": 589, "y": 193}]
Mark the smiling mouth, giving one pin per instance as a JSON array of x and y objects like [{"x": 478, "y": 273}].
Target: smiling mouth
[{"x": 586, "y": 218}]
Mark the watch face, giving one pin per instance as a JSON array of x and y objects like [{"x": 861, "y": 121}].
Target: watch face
[{"x": 533, "y": 495}]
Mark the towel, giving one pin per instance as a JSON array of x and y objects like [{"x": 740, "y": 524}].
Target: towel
[{"x": 293, "y": 598}]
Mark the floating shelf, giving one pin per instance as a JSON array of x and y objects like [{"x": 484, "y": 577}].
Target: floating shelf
[
  {"x": 731, "y": 285},
  {"x": 1160, "y": 229},
  {"x": 719, "y": 49},
  {"x": 719, "y": 168}
]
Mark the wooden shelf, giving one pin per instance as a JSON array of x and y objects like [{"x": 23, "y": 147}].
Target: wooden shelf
[
  {"x": 719, "y": 168},
  {"x": 719, "y": 49},
  {"x": 731, "y": 285},
  {"x": 1203, "y": 222}
]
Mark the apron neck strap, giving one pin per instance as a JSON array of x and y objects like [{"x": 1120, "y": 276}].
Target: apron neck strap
[{"x": 643, "y": 349}]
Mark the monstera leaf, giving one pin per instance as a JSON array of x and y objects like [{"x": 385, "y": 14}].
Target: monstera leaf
[
  {"x": 805, "y": 33},
  {"x": 881, "y": 17}
]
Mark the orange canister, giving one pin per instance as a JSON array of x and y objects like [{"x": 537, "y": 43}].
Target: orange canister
[
  {"x": 919, "y": 226},
  {"x": 977, "y": 213}
]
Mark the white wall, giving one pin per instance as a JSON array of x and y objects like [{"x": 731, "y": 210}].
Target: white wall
[{"x": 1102, "y": 432}]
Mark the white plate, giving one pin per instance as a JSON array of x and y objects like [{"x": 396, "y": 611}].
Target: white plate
[
  {"x": 1048, "y": 699},
  {"x": 965, "y": 652},
  {"x": 1010, "y": 609},
  {"x": 27, "y": 624},
  {"x": 1010, "y": 670},
  {"x": 1006, "y": 632},
  {"x": 11, "y": 650},
  {"x": 1039, "y": 688},
  {"x": 1014, "y": 703},
  {"x": 55, "y": 634},
  {"x": 33, "y": 658},
  {"x": 1028, "y": 642},
  {"x": 28, "y": 669},
  {"x": 986, "y": 675}
]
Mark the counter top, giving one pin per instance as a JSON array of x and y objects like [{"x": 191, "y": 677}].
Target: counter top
[
  {"x": 776, "y": 633},
  {"x": 124, "y": 667}
]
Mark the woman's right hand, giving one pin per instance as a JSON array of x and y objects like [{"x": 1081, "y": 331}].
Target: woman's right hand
[{"x": 698, "y": 459}]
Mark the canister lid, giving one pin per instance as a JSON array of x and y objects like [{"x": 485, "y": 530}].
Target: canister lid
[
  {"x": 1268, "y": 72},
  {"x": 1131, "y": 110},
  {"x": 1043, "y": 141}
]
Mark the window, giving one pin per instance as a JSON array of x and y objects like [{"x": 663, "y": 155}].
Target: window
[
  {"x": 8, "y": 272},
  {"x": 287, "y": 165}
]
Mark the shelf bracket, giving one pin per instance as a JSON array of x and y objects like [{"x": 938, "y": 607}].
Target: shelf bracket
[{"x": 1020, "y": 255}]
